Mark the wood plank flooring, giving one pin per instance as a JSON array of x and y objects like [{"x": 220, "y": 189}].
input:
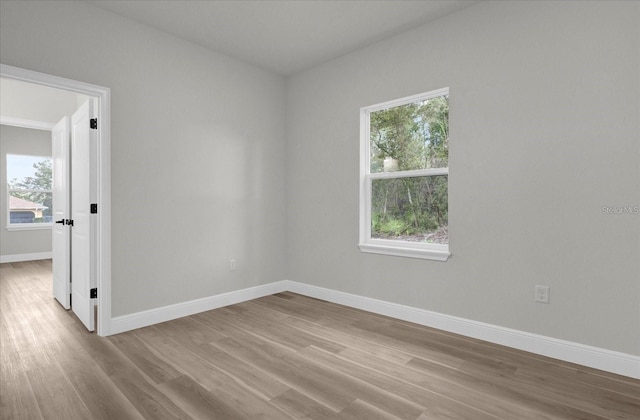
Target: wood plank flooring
[{"x": 284, "y": 356}]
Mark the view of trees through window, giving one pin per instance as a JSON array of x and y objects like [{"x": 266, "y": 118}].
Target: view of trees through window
[
  {"x": 29, "y": 185},
  {"x": 410, "y": 206}
]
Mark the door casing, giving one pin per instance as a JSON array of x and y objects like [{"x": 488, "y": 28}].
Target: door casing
[{"x": 103, "y": 173}]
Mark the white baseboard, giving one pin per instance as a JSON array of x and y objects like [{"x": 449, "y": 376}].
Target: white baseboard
[
  {"x": 595, "y": 357},
  {"x": 598, "y": 358},
  {"x": 25, "y": 257},
  {"x": 167, "y": 313}
]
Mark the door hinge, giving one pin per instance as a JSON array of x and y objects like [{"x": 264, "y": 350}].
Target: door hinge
[
  {"x": 93, "y": 293},
  {"x": 94, "y": 208},
  {"x": 93, "y": 123},
  {"x": 69, "y": 222}
]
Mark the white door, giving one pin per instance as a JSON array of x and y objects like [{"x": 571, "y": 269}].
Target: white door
[
  {"x": 82, "y": 138},
  {"x": 60, "y": 232}
]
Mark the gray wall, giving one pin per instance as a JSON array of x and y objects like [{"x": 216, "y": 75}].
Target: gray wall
[
  {"x": 197, "y": 151},
  {"x": 21, "y": 141},
  {"x": 544, "y": 133},
  {"x": 544, "y": 124}
]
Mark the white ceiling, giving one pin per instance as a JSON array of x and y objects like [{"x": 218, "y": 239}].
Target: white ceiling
[{"x": 283, "y": 36}]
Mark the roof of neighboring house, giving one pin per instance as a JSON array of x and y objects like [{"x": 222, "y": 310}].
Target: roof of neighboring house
[{"x": 16, "y": 203}]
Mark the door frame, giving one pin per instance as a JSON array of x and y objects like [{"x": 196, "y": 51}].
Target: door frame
[{"x": 103, "y": 171}]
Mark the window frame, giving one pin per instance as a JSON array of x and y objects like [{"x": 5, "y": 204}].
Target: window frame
[
  {"x": 437, "y": 252},
  {"x": 24, "y": 226}
]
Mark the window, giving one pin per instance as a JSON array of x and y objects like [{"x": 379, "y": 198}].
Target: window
[
  {"x": 29, "y": 192},
  {"x": 404, "y": 171}
]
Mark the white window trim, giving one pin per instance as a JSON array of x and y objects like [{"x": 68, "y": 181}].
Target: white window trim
[
  {"x": 24, "y": 226},
  {"x": 437, "y": 252}
]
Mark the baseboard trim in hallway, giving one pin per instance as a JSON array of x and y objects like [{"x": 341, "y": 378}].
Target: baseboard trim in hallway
[{"x": 34, "y": 256}]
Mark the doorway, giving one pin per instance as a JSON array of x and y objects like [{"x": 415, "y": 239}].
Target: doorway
[{"x": 101, "y": 247}]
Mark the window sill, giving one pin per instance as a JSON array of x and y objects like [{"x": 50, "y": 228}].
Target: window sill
[
  {"x": 405, "y": 251},
  {"x": 29, "y": 226}
]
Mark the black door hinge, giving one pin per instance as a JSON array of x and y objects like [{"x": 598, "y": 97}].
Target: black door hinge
[
  {"x": 93, "y": 123},
  {"x": 93, "y": 293},
  {"x": 69, "y": 222},
  {"x": 94, "y": 208}
]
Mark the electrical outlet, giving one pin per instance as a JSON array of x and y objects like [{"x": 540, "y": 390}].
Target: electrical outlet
[
  {"x": 542, "y": 294},
  {"x": 232, "y": 265}
]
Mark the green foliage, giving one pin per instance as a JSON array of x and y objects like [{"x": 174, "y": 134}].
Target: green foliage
[
  {"x": 420, "y": 202},
  {"x": 414, "y": 136},
  {"x": 41, "y": 181},
  {"x": 394, "y": 227}
]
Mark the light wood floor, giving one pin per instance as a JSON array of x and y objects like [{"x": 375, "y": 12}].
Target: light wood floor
[{"x": 280, "y": 357}]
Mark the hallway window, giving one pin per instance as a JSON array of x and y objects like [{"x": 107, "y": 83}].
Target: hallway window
[{"x": 29, "y": 203}]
